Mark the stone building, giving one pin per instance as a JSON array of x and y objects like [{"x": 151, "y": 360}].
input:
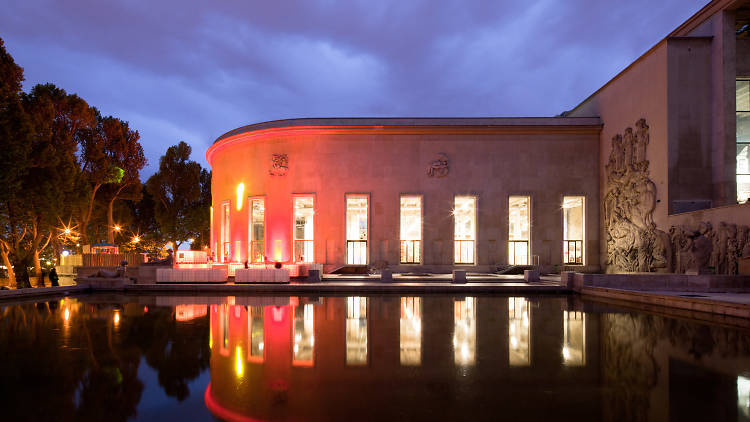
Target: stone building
[{"x": 650, "y": 173}]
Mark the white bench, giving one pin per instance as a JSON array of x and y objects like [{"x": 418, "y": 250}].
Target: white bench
[
  {"x": 261, "y": 275},
  {"x": 191, "y": 275}
]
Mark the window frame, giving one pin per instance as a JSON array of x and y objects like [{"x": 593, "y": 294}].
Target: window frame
[
  {"x": 528, "y": 241},
  {"x": 420, "y": 241},
  {"x": 475, "y": 239},
  {"x": 250, "y": 230},
  {"x": 367, "y": 196},
  {"x": 315, "y": 227},
  {"x": 583, "y": 230}
]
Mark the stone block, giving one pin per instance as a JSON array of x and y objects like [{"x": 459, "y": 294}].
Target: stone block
[
  {"x": 313, "y": 276},
  {"x": 386, "y": 276},
  {"x": 531, "y": 275},
  {"x": 567, "y": 279},
  {"x": 459, "y": 276}
]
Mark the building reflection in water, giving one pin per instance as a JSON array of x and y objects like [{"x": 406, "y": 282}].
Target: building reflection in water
[
  {"x": 574, "y": 338},
  {"x": 519, "y": 330},
  {"x": 255, "y": 330},
  {"x": 304, "y": 335},
  {"x": 410, "y": 328},
  {"x": 465, "y": 331},
  {"x": 356, "y": 330},
  {"x": 743, "y": 396}
]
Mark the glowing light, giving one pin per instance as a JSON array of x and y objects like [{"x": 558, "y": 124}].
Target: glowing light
[
  {"x": 240, "y": 195},
  {"x": 260, "y": 345},
  {"x": 117, "y": 318},
  {"x": 191, "y": 240},
  {"x": 238, "y": 361},
  {"x": 117, "y": 228},
  {"x": 277, "y": 250},
  {"x": 66, "y": 231},
  {"x": 566, "y": 353},
  {"x": 66, "y": 315},
  {"x": 136, "y": 239}
]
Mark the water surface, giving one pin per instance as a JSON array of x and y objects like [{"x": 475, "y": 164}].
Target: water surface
[{"x": 434, "y": 357}]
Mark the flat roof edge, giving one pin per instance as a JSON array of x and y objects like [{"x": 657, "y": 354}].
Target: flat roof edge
[{"x": 413, "y": 121}]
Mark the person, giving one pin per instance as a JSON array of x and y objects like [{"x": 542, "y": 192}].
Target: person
[
  {"x": 117, "y": 273},
  {"x": 53, "y": 278}
]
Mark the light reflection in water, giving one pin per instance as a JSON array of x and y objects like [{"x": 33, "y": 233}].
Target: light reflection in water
[
  {"x": 411, "y": 331},
  {"x": 356, "y": 330},
  {"x": 304, "y": 335},
  {"x": 519, "y": 330},
  {"x": 574, "y": 338},
  {"x": 256, "y": 332},
  {"x": 465, "y": 331},
  {"x": 743, "y": 396}
]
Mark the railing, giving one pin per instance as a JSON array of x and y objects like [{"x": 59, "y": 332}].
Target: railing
[
  {"x": 303, "y": 251},
  {"x": 518, "y": 252},
  {"x": 573, "y": 251},
  {"x": 463, "y": 251},
  {"x": 356, "y": 252},
  {"x": 410, "y": 252},
  {"x": 257, "y": 251}
]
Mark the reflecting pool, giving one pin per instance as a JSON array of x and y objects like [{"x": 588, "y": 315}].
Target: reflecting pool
[{"x": 432, "y": 357}]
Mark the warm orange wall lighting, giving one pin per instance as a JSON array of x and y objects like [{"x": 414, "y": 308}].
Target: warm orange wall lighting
[{"x": 240, "y": 195}]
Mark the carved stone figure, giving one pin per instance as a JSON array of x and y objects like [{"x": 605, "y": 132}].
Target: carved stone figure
[
  {"x": 439, "y": 167},
  {"x": 640, "y": 141},
  {"x": 710, "y": 251},
  {"x": 633, "y": 241},
  {"x": 279, "y": 165}
]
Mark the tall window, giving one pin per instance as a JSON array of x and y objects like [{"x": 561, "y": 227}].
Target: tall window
[
  {"x": 573, "y": 229},
  {"x": 356, "y": 229},
  {"x": 303, "y": 228},
  {"x": 743, "y": 140},
  {"x": 256, "y": 334},
  {"x": 356, "y": 330},
  {"x": 464, "y": 229},
  {"x": 518, "y": 230},
  {"x": 411, "y": 229},
  {"x": 257, "y": 230},
  {"x": 226, "y": 240}
]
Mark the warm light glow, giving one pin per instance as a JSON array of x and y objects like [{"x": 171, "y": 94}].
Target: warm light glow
[
  {"x": 240, "y": 195},
  {"x": 117, "y": 228},
  {"x": 464, "y": 229},
  {"x": 116, "y": 318},
  {"x": 357, "y": 210},
  {"x": 65, "y": 252},
  {"x": 304, "y": 228},
  {"x": 66, "y": 315},
  {"x": 743, "y": 395},
  {"x": 465, "y": 331},
  {"x": 277, "y": 250},
  {"x": 356, "y": 330},
  {"x": 304, "y": 340},
  {"x": 238, "y": 361},
  {"x": 66, "y": 231},
  {"x": 518, "y": 230},
  {"x": 573, "y": 229},
  {"x": 411, "y": 331},
  {"x": 136, "y": 239},
  {"x": 410, "y": 224},
  {"x": 574, "y": 338}
]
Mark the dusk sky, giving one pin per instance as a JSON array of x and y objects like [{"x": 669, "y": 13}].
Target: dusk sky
[{"x": 190, "y": 71}]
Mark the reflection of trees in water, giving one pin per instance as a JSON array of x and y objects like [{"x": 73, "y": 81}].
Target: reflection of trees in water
[
  {"x": 177, "y": 350},
  {"x": 629, "y": 365},
  {"x": 87, "y": 368}
]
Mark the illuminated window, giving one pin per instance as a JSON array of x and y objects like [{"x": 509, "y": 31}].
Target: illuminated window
[
  {"x": 304, "y": 335},
  {"x": 574, "y": 338},
  {"x": 411, "y": 331},
  {"x": 464, "y": 229},
  {"x": 226, "y": 239},
  {"x": 465, "y": 331},
  {"x": 356, "y": 331},
  {"x": 743, "y": 140},
  {"x": 573, "y": 229},
  {"x": 304, "y": 214},
  {"x": 257, "y": 230},
  {"x": 411, "y": 229},
  {"x": 256, "y": 334},
  {"x": 356, "y": 229},
  {"x": 518, "y": 230},
  {"x": 519, "y": 332}
]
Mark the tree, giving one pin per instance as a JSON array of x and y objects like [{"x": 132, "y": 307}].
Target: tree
[{"x": 176, "y": 189}]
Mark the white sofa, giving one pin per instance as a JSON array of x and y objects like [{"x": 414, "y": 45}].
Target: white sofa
[{"x": 261, "y": 275}]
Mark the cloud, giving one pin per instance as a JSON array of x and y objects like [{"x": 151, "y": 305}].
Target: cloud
[{"x": 193, "y": 70}]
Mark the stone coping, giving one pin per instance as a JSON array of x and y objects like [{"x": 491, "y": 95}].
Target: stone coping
[
  {"x": 707, "y": 304},
  {"x": 664, "y": 282}
]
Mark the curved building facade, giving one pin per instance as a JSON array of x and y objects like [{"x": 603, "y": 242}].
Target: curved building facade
[{"x": 411, "y": 194}]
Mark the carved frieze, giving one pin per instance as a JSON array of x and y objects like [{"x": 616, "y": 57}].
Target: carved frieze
[
  {"x": 439, "y": 167},
  {"x": 634, "y": 244},
  {"x": 707, "y": 250},
  {"x": 279, "y": 165}
]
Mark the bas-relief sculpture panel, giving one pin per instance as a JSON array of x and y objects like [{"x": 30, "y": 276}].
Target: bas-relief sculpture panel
[{"x": 634, "y": 244}]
